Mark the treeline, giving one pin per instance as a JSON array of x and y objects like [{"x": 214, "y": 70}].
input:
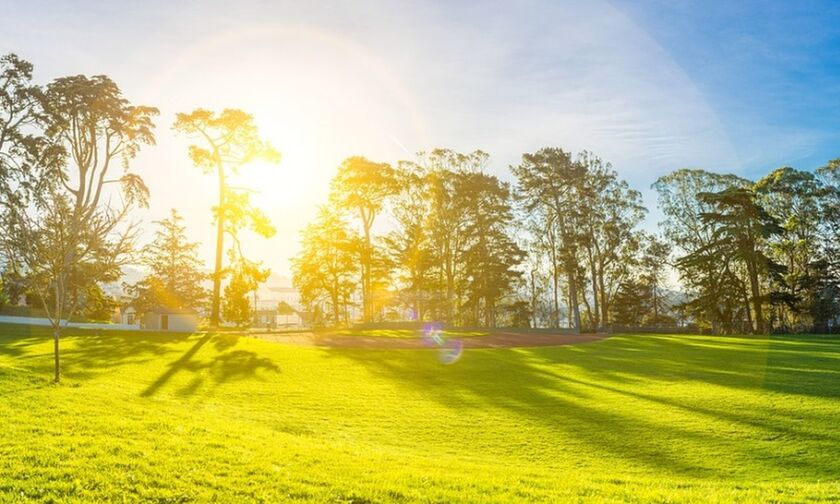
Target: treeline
[
  {"x": 438, "y": 239},
  {"x": 756, "y": 256},
  {"x": 435, "y": 238}
]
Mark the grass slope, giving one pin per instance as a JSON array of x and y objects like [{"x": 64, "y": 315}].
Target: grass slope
[{"x": 164, "y": 418}]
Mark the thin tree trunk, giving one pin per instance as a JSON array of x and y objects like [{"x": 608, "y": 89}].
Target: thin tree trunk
[
  {"x": 655, "y": 306},
  {"x": 533, "y": 300},
  {"x": 366, "y": 256},
  {"x": 756, "y": 296},
  {"x": 335, "y": 303},
  {"x": 220, "y": 239},
  {"x": 573, "y": 298},
  {"x": 593, "y": 271},
  {"x": 605, "y": 302},
  {"x": 56, "y": 338},
  {"x": 555, "y": 274}
]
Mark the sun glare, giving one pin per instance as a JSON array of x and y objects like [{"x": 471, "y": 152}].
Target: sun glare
[{"x": 288, "y": 184}]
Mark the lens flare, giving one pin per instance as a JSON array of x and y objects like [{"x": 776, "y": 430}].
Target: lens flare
[{"x": 449, "y": 351}]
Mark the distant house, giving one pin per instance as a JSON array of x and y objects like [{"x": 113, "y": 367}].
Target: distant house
[
  {"x": 272, "y": 314},
  {"x": 265, "y": 317},
  {"x": 170, "y": 319},
  {"x": 128, "y": 315}
]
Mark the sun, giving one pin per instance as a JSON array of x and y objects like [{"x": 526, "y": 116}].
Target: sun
[{"x": 289, "y": 183}]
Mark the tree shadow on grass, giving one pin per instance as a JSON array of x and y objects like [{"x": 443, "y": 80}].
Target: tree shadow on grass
[
  {"x": 227, "y": 365},
  {"x": 87, "y": 353},
  {"x": 16, "y": 338},
  {"x": 511, "y": 380},
  {"x": 561, "y": 389}
]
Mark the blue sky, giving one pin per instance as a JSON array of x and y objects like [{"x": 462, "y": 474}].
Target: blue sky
[
  {"x": 771, "y": 70},
  {"x": 651, "y": 86}
]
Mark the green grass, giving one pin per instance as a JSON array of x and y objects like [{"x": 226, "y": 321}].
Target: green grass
[
  {"x": 406, "y": 333},
  {"x": 168, "y": 418}
]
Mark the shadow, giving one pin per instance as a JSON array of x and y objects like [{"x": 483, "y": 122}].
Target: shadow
[
  {"x": 176, "y": 366},
  {"x": 15, "y": 338},
  {"x": 87, "y": 353},
  {"x": 227, "y": 365},
  {"x": 648, "y": 400},
  {"x": 84, "y": 352}
]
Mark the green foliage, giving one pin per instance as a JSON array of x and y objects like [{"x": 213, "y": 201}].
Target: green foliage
[
  {"x": 175, "y": 272},
  {"x": 246, "y": 277},
  {"x": 582, "y": 219},
  {"x": 633, "y": 303},
  {"x": 325, "y": 269},
  {"x": 361, "y": 187},
  {"x": 283, "y": 308},
  {"x": 453, "y": 249},
  {"x": 226, "y": 418},
  {"x": 236, "y": 307},
  {"x": 489, "y": 253}
]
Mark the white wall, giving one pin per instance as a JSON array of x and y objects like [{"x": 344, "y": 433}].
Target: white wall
[
  {"x": 34, "y": 321},
  {"x": 178, "y": 322}
]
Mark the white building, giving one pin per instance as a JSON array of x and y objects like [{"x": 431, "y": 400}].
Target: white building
[
  {"x": 170, "y": 319},
  {"x": 267, "y": 311}
]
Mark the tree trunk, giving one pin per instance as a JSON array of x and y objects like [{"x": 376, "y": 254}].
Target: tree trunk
[
  {"x": 533, "y": 300},
  {"x": 555, "y": 274},
  {"x": 56, "y": 338},
  {"x": 747, "y": 308},
  {"x": 605, "y": 302},
  {"x": 573, "y": 299},
  {"x": 450, "y": 286},
  {"x": 756, "y": 298},
  {"x": 215, "y": 319},
  {"x": 593, "y": 271},
  {"x": 366, "y": 308},
  {"x": 655, "y": 305},
  {"x": 336, "y": 310}
]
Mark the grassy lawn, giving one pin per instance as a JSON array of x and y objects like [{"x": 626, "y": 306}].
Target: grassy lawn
[{"x": 171, "y": 418}]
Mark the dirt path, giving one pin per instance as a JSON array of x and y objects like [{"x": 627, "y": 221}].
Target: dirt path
[{"x": 495, "y": 340}]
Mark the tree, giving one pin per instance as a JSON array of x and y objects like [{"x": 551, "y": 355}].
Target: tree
[
  {"x": 826, "y": 311},
  {"x": 409, "y": 243},
  {"x": 245, "y": 279},
  {"x": 490, "y": 253},
  {"x": 229, "y": 141},
  {"x": 610, "y": 212},
  {"x": 550, "y": 182},
  {"x": 28, "y": 161},
  {"x": 652, "y": 265},
  {"x": 445, "y": 171},
  {"x": 632, "y": 303},
  {"x": 439, "y": 228},
  {"x": 71, "y": 232},
  {"x": 741, "y": 228},
  {"x": 285, "y": 310},
  {"x": 175, "y": 277},
  {"x": 324, "y": 270},
  {"x": 718, "y": 297},
  {"x": 794, "y": 198},
  {"x": 362, "y": 186}
]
